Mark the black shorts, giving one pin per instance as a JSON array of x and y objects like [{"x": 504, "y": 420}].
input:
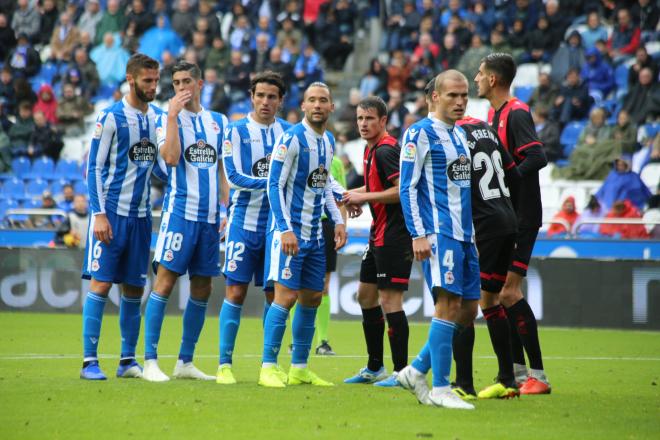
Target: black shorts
[
  {"x": 387, "y": 266},
  {"x": 330, "y": 252},
  {"x": 495, "y": 255},
  {"x": 525, "y": 240}
]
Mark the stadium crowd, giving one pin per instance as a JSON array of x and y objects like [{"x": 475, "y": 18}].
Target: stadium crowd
[{"x": 596, "y": 98}]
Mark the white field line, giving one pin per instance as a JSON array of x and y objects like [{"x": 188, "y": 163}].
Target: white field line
[{"x": 46, "y": 356}]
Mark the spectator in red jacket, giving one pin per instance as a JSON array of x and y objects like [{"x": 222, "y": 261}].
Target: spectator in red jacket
[
  {"x": 624, "y": 209},
  {"x": 568, "y": 214},
  {"x": 624, "y": 39}
]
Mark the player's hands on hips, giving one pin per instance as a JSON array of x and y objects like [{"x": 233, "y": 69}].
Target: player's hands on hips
[
  {"x": 289, "y": 243},
  {"x": 421, "y": 248},
  {"x": 178, "y": 102},
  {"x": 340, "y": 236},
  {"x": 102, "y": 228}
]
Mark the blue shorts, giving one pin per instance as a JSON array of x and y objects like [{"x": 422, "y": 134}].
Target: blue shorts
[
  {"x": 188, "y": 246},
  {"x": 126, "y": 258},
  {"x": 244, "y": 256},
  {"x": 453, "y": 266},
  {"x": 303, "y": 271}
]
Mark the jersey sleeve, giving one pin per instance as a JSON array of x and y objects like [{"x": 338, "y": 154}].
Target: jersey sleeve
[
  {"x": 281, "y": 163},
  {"x": 161, "y": 129},
  {"x": 231, "y": 155},
  {"x": 413, "y": 155},
  {"x": 387, "y": 159},
  {"x": 524, "y": 144},
  {"x": 159, "y": 171},
  {"x": 104, "y": 134},
  {"x": 330, "y": 203}
]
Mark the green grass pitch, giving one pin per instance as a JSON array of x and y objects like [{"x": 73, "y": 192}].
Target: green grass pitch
[{"x": 605, "y": 386}]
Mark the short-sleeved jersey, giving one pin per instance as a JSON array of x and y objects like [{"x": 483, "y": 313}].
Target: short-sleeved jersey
[
  {"x": 381, "y": 170},
  {"x": 121, "y": 159},
  {"x": 193, "y": 186},
  {"x": 434, "y": 186},
  {"x": 516, "y": 130},
  {"x": 492, "y": 212},
  {"x": 297, "y": 189},
  {"x": 246, "y": 151}
]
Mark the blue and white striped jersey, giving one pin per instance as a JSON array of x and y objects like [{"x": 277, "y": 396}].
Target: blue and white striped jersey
[
  {"x": 435, "y": 181},
  {"x": 193, "y": 185},
  {"x": 121, "y": 158},
  {"x": 297, "y": 189},
  {"x": 246, "y": 151}
]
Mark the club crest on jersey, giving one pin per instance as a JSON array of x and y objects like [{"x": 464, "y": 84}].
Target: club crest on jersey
[
  {"x": 317, "y": 179},
  {"x": 216, "y": 127},
  {"x": 226, "y": 148},
  {"x": 409, "y": 151},
  {"x": 286, "y": 273},
  {"x": 98, "y": 130},
  {"x": 231, "y": 266},
  {"x": 143, "y": 153},
  {"x": 449, "y": 277},
  {"x": 201, "y": 154},
  {"x": 260, "y": 168},
  {"x": 459, "y": 171},
  {"x": 280, "y": 153}
]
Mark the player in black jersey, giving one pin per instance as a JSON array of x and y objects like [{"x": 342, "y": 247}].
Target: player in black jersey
[
  {"x": 388, "y": 258},
  {"x": 494, "y": 176},
  {"x": 515, "y": 128}
]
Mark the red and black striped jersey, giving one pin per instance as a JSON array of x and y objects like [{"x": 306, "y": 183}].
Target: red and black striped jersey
[
  {"x": 515, "y": 128},
  {"x": 381, "y": 170}
]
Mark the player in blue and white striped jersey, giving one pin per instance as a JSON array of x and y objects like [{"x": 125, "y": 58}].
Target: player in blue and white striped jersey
[
  {"x": 189, "y": 139},
  {"x": 246, "y": 152},
  {"x": 436, "y": 200},
  {"x": 298, "y": 192},
  {"x": 121, "y": 160}
]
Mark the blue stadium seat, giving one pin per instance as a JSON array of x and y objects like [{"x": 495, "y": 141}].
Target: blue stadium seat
[
  {"x": 57, "y": 185},
  {"x": 524, "y": 93},
  {"x": 569, "y": 136},
  {"x": 21, "y": 166},
  {"x": 80, "y": 187},
  {"x": 42, "y": 168},
  {"x": 36, "y": 187},
  {"x": 621, "y": 80},
  {"x": 652, "y": 129},
  {"x": 32, "y": 204},
  {"x": 5, "y": 205},
  {"x": 14, "y": 188},
  {"x": 67, "y": 169}
]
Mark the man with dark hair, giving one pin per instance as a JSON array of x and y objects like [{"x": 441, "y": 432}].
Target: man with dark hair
[
  {"x": 493, "y": 172},
  {"x": 387, "y": 260},
  {"x": 515, "y": 128},
  {"x": 121, "y": 160},
  {"x": 246, "y": 152},
  {"x": 189, "y": 140}
]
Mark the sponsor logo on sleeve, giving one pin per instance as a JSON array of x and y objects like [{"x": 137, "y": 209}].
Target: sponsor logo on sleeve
[
  {"x": 98, "y": 130},
  {"x": 409, "y": 152},
  {"x": 280, "y": 153},
  {"x": 226, "y": 148}
]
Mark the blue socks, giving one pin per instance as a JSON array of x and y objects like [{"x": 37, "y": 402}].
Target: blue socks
[
  {"x": 193, "y": 321},
  {"x": 92, "y": 317},
  {"x": 422, "y": 362},
  {"x": 153, "y": 321},
  {"x": 441, "y": 336},
  {"x": 266, "y": 307},
  {"x": 129, "y": 325},
  {"x": 302, "y": 330},
  {"x": 274, "y": 327},
  {"x": 230, "y": 319}
]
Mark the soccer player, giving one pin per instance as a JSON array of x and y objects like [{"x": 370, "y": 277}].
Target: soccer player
[
  {"x": 298, "y": 191},
  {"x": 387, "y": 260},
  {"x": 323, "y": 314},
  {"x": 189, "y": 138},
  {"x": 435, "y": 197},
  {"x": 515, "y": 128},
  {"x": 494, "y": 176},
  {"x": 246, "y": 155},
  {"x": 121, "y": 159}
]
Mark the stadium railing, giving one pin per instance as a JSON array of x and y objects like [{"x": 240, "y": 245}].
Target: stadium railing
[{"x": 613, "y": 221}]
